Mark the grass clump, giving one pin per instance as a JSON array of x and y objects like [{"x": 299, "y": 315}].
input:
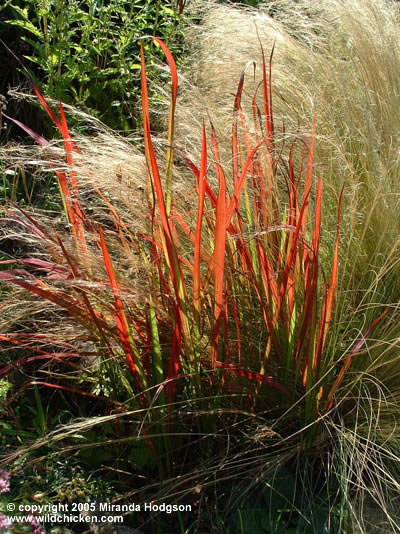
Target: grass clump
[{"x": 228, "y": 324}]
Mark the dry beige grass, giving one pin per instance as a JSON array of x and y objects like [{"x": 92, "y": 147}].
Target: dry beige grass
[{"x": 340, "y": 58}]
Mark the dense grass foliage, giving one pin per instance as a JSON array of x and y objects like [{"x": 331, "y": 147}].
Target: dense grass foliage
[{"x": 216, "y": 317}]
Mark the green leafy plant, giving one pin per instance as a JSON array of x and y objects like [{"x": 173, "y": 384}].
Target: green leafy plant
[{"x": 84, "y": 53}]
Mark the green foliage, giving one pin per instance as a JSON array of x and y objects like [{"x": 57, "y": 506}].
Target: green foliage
[
  {"x": 280, "y": 506},
  {"x": 5, "y": 386},
  {"x": 51, "y": 482},
  {"x": 87, "y": 53},
  {"x": 15, "y": 185}
]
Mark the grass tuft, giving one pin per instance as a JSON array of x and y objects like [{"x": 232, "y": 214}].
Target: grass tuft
[{"x": 243, "y": 308}]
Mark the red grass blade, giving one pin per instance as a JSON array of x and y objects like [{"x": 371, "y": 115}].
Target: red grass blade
[
  {"x": 154, "y": 172},
  {"x": 197, "y": 243},
  {"x": 308, "y": 181},
  {"x": 172, "y": 67},
  {"x": 42, "y": 355},
  {"x": 46, "y": 107},
  {"x": 38, "y": 138},
  {"x": 234, "y": 202},
  {"x": 70, "y": 147},
  {"x": 292, "y": 254},
  {"x": 219, "y": 253},
  {"x": 66, "y": 388},
  {"x": 171, "y": 122},
  {"x": 62, "y": 179},
  {"x": 345, "y": 367},
  {"x": 56, "y": 297},
  {"x": 174, "y": 358},
  {"x": 36, "y": 228},
  {"x": 236, "y": 108},
  {"x": 74, "y": 211},
  {"x": 267, "y": 88},
  {"x": 210, "y": 193},
  {"x": 310, "y": 286},
  {"x": 53, "y": 270},
  {"x": 254, "y": 377},
  {"x": 120, "y": 317}
]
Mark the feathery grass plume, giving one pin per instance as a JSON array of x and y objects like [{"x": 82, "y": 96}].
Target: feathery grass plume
[{"x": 340, "y": 57}]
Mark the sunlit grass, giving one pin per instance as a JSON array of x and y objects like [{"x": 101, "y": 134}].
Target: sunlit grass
[{"x": 244, "y": 302}]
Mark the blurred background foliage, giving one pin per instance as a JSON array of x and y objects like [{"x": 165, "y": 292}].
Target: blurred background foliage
[{"x": 85, "y": 53}]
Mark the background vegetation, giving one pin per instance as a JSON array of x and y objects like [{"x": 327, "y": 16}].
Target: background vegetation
[{"x": 84, "y": 53}]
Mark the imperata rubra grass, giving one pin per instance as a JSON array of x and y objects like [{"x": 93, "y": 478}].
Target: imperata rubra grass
[
  {"x": 235, "y": 300},
  {"x": 219, "y": 302}
]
